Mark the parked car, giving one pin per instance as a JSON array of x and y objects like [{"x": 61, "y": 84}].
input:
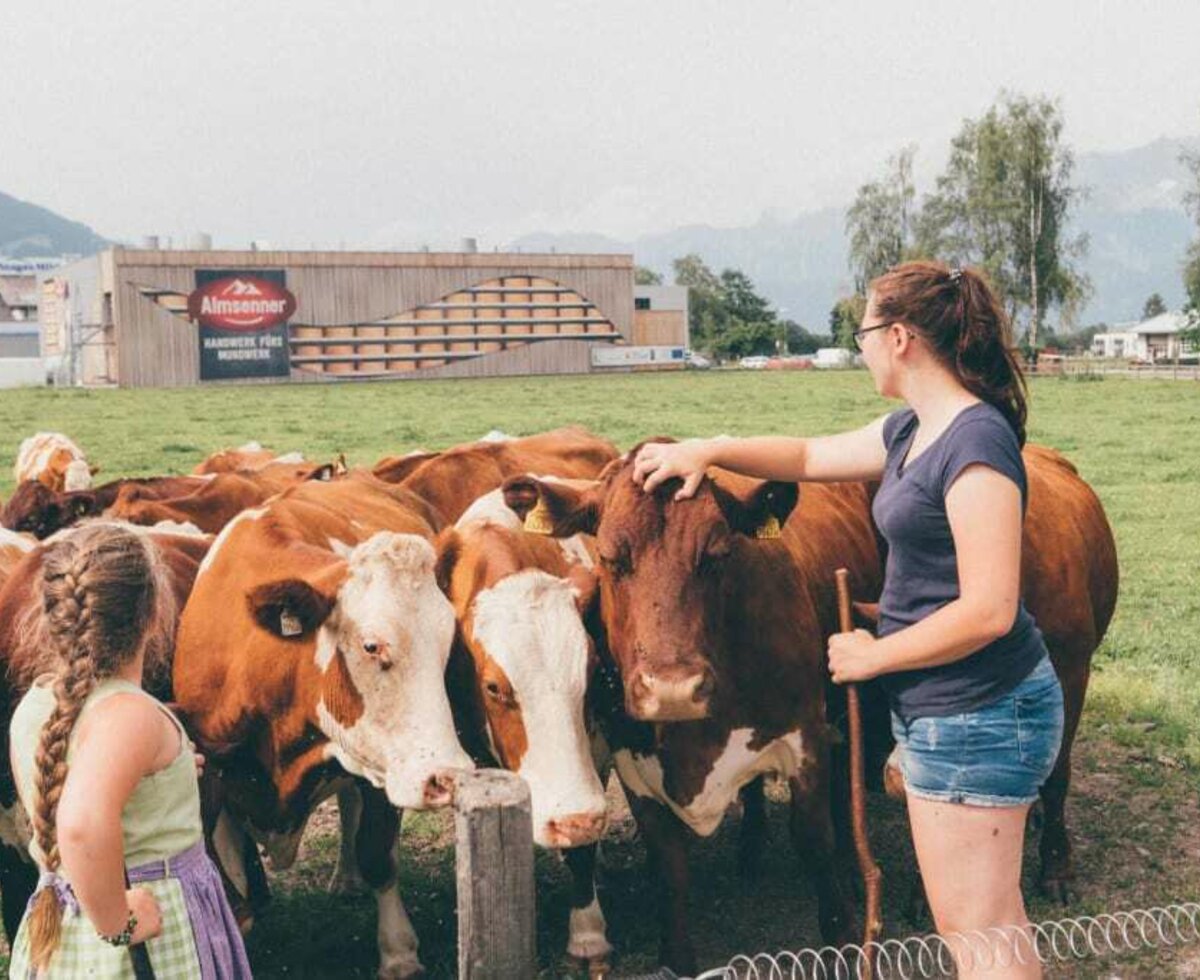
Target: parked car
[
  {"x": 755, "y": 362},
  {"x": 697, "y": 361}
]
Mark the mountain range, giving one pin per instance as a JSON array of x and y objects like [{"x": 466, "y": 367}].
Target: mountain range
[
  {"x": 28, "y": 230},
  {"x": 1133, "y": 216}
]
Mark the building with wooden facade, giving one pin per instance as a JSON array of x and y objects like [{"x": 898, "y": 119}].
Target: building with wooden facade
[{"x": 154, "y": 317}]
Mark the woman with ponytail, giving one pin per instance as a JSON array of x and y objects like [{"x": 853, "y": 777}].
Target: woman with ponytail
[
  {"x": 977, "y": 709},
  {"x": 109, "y": 781}
]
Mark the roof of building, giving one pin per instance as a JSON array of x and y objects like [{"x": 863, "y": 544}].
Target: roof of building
[{"x": 1163, "y": 323}]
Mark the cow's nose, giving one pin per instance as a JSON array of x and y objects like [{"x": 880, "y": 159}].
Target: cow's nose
[
  {"x": 576, "y": 829},
  {"x": 684, "y": 697}
]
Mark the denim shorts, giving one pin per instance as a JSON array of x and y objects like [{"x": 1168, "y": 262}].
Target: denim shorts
[{"x": 996, "y": 755}]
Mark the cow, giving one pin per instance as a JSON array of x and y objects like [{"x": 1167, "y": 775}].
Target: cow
[
  {"x": 35, "y": 509},
  {"x": 13, "y": 547},
  {"x": 713, "y": 639},
  {"x": 206, "y": 502},
  {"x": 54, "y": 461},
  {"x": 518, "y": 678},
  {"x": 454, "y": 479},
  {"x": 22, "y": 658},
  {"x": 245, "y": 459},
  {"x": 310, "y": 659}
]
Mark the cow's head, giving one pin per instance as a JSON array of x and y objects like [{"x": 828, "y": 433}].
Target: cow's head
[
  {"x": 37, "y": 510},
  {"x": 380, "y": 631},
  {"x": 523, "y": 628},
  {"x": 663, "y": 574}
]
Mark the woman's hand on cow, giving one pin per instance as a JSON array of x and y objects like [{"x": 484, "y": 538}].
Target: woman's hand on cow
[
  {"x": 853, "y": 657},
  {"x": 658, "y": 462}
]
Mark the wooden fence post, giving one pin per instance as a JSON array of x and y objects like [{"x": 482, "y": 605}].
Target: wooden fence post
[{"x": 494, "y": 835}]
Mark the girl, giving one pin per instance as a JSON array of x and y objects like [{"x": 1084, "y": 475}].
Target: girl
[
  {"x": 977, "y": 708},
  {"x": 109, "y": 779}
]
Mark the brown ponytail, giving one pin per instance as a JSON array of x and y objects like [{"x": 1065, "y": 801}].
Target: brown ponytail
[
  {"x": 957, "y": 312},
  {"x": 99, "y": 587}
]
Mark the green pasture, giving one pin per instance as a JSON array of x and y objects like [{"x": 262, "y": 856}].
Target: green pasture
[{"x": 1135, "y": 810}]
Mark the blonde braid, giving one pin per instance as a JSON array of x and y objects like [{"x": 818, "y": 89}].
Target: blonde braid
[{"x": 100, "y": 586}]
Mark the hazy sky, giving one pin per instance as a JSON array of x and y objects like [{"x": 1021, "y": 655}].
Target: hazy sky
[{"x": 393, "y": 124}]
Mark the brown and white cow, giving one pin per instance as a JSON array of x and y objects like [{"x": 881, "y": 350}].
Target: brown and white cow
[
  {"x": 710, "y": 624},
  {"x": 454, "y": 479},
  {"x": 54, "y": 461},
  {"x": 22, "y": 657},
  {"x": 518, "y": 681},
  {"x": 313, "y": 649},
  {"x": 13, "y": 547}
]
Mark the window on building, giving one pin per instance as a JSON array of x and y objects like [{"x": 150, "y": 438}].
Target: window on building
[
  {"x": 641, "y": 302},
  {"x": 1118, "y": 348}
]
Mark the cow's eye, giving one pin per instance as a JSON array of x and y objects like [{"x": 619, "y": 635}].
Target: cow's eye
[
  {"x": 493, "y": 689},
  {"x": 617, "y": 562}
]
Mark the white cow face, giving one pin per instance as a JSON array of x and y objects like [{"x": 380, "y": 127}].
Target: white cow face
[
  {"x": 382, "y": 632},
  {"x": 531, "y": 656}
]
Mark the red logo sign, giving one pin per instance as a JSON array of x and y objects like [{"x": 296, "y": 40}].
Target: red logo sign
[{"x": 241, "y": 304}]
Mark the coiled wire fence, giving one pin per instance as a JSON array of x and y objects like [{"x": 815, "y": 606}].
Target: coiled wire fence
[{"x": 925, "y": 957}]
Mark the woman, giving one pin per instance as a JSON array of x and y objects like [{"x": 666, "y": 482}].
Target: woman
[
  {"x": 109, "y": 780},
  {"x": 976, "y": 706}
]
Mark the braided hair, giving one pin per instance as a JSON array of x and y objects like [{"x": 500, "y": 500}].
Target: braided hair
[{"x": 99, "y": 590}]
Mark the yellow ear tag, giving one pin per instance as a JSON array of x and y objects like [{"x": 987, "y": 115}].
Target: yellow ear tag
[
  {"x": 538, "y": 521},
  {"x": 769, "y": 529}
]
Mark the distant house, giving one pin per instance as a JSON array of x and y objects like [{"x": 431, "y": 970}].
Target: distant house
[{"x": 1156, "y": 339}]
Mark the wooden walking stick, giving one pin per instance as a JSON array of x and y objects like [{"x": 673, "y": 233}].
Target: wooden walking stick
[{"x": 871, "y": 875}]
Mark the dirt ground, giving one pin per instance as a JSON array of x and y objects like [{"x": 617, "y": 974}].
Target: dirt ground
[{"x": 1135, "y": 819}]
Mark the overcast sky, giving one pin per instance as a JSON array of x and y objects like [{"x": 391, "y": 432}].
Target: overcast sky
[{"x": 392, "y": 124}]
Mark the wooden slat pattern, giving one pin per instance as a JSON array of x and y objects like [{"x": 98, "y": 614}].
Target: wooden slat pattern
[{"x": 352, "y": 296}]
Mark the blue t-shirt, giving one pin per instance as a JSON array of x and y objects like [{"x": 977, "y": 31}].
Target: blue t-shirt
[{"x": 921, "y": 572}]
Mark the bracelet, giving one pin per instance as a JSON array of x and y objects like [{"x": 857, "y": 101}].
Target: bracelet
[{"x": 123, "y": 937}]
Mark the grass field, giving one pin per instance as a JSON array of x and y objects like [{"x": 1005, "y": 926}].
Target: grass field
[{"x": 1135, "y": 812}]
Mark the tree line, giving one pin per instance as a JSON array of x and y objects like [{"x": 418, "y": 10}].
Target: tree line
[{"x": 1003, "y": 203}]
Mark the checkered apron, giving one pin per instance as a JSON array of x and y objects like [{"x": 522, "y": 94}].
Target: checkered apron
[{"x": 199, "y": 941}]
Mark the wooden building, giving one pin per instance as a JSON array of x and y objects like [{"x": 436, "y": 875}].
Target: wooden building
[{"x": 137, "y": 317}]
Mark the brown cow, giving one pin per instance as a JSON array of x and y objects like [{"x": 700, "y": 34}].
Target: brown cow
[
  {"x": 711, "y": 625},
  {"x": 206, "y": 502},
  {"x": 245, "y": 459},
  {"x": 22, "y": 657},
  {"x": 454, "y": 479},
  {"x": 37, "y": 510},
  {"x": 313, "y": 650},
  {"x": 518, "y": 678}
]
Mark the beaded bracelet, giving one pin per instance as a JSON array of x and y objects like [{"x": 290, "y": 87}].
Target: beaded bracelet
[{"x": 123, "y": 937}]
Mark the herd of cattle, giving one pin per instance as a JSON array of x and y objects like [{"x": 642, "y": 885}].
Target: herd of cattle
[{"x": 517, "y": 603}]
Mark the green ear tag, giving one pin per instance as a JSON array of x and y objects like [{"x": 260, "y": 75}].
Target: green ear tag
[
  {"x": 769, "y": 529},
  {"x": 537, "y": 521}
]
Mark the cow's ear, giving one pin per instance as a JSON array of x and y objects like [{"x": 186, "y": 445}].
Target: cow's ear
[
  {"x": 760, "y": 513},
  {"x": 556, "y": 509},
  {"x": 583, "y": 586},
  {"x": 449, "y": 547},
  {"x": 93, "y": 468},
  {"x": 290, "y": 608}
]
